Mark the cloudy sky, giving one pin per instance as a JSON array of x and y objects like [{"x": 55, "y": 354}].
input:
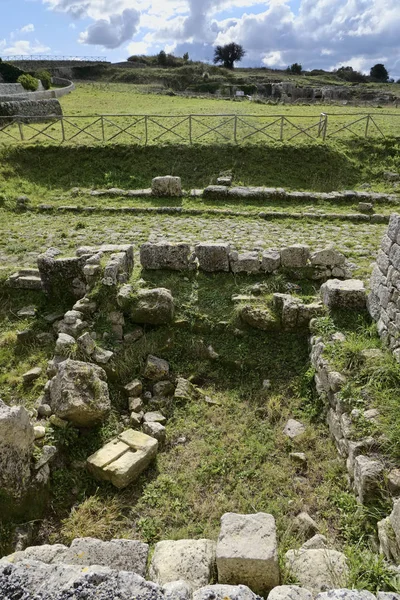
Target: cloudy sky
[{"x": 275, "y": 33}]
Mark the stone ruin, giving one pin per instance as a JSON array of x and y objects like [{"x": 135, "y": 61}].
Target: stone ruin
[
  {"x": 41, "y": 110},
  {"x": 77, "y": 392}
]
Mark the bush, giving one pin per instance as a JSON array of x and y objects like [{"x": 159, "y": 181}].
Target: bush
[
  {"x": 28, "y": 82},
  {"x": 45, "y": 78},
  {"x": 9, "y": 73}
]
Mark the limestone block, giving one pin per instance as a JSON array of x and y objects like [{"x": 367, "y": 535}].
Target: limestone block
[
  {"x": 121, "y": 555},
  {"x": 294, "y": 428},
  {"x": 348, "y": 294},
  {"x": 247, "y": 551},
  {"x": 177, "y": 590},
  {"x": 213, "y": 258},
  {"x": 175, "y": 257},
  {"x": 225, "y": 592},
  {"x": 134, "y": 388},
  {"x": 329, "y": 257},
  {"x": 122, "y": 460},
  {"x": 155, "y": 430},
  {"x": 185, "y": 391},
  {"x": 368, "y": 479},
  {"x": 394, "y": 227},
  {"x": 259, "y": 318},
  {"x": 79, "y": 393},
  {"x": 192, "y": 561},
  {"x": 247, "y": 262},
  {"x": 289, "y": 592},
  {"x": 394, "y": 518},
  {"x": 271, "y": 261},
  {"x": 61, "y": 276},
  {"x": 166, "y": 186},
  {"x": 295, "y": 256},
  {"x": 344, "y": 594},
  {"x": 152, "y": 307},
  {"x": 16, "y": 448},
  {"x": 317, "y": 570}
]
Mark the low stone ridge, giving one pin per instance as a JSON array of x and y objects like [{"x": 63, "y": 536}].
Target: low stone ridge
[
  {"x": 79, "y": 393},
  {"x": 247, "y": 551},
  {"x": 192, "y": 561},
  {"x": 122, "y": 460},
  {"x": 30, "y": 111}
]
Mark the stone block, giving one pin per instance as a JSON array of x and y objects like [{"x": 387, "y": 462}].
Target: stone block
[
  {"x": 317, "y": 570},
  {"x": 247, "y": 262},
  {"x": 329, "y": 257},
  {"x": 62, "y": 276},
  {"x": 368, "y": 479},
  {"x": 152, "y": 307},
  {"x": 174, "y": 257},
  {"x": 166, "y": 186},
  {"x": 289, "y": 592},
  {"x": 227, "y": 592},
  {"x": 344, "y": 594},
  {"x": 247, "y": 551},
  {"x": 156, "y": 369},
  {"x": 122, "y": 460},
  {"x": 271, "y": 261},
  {"x": 121, "y": 555},
  {"x": 295, "y": 256},
  {"x": 394, "y": 227},
  {"x": 192, "y": 561},
  {"x": 213, "y": 258},
  {"x": 348, "y": 294}
]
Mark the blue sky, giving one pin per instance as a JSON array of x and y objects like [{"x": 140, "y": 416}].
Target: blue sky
[{"x": 275, "y": 33}]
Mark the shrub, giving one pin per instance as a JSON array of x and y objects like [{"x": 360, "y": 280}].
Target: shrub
[
  {"x": 45, "y": 78},
  {"x": 28, "y": 82},
  {"x": 9, "y": 73}
]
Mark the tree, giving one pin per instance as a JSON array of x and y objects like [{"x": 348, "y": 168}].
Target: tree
[
  {"x": 295, "y": 69},
  {"x": 349, "y": 74},
  {"x": 379, "y": 73},
  {"x": 229, "y": 54},
  {"x": 162, "y": 58},
  {"x": 186, "y": 57}
]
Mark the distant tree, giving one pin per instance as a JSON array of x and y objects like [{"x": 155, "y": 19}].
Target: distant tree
[
  {"x": 295, "y": 69},
  {"x": 349, "y": 74},
  {"x": 379, "y": 73},
  {"x": 186, "y": 57},
  {"x": 229, "y": 54},
  {"x": 162, "y": 58}
]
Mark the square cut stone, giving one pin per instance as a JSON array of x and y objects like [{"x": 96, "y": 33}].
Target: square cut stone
[
  {"x": 247, "y": 551},
  {"x": 122, "y": 460}
]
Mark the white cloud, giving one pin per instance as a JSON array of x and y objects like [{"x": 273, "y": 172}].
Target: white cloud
[
  {"x": 27, "y": 28},
  {"x": 25, "y": 47},
  {"x": 112, "y": 32}
]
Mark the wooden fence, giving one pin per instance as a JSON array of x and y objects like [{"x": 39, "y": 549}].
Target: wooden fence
[{"x": 194, "y": 129}]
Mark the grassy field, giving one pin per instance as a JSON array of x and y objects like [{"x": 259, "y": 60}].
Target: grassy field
[{"x": 166, "y": 124}]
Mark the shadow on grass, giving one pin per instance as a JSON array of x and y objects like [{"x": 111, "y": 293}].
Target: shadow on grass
[{"x": 308, "y": 166}]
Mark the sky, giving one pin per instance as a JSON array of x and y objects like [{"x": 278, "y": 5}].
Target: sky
[{"x": 324, "y": 34}]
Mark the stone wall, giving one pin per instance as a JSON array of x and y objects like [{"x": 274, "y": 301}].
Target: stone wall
[
  {"x": 384, "y": 298},
  {"x": 8, "y": 89},
  {"x": 42, "y": 109},
  {"x": 9, "y": 93}
]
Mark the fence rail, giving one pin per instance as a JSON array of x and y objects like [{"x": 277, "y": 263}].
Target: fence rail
[
  {"x": 194, "y": 128},
  {"x": 52, "y": 57}
]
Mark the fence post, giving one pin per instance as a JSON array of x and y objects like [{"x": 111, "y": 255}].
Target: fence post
[
  {"x": 190, "y": 129},
  {"x": 282, "y": 123},
  {"x": 235, "y": 129},
  {"x": 367, "y": 126},
  {"x": 102, "y": 128},
  {"x": 21, "y": 133},
  {"x": 62, "y": 128},
  {"x": 325, "y": 128},
  {"x": 146, "y": 129}
]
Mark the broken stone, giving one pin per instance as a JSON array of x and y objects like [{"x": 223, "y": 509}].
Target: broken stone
[
  {"x": 153, "y": 307},
  {"x": 135, "y": 404},
  {"x": 134, "y": 388},
  {"x": 185, "y": 391},
  {"x": 155, "y": 417},
  {"x": 294, "y": 428},
  {"x": 65, "y": 345},
  {"x": 317, "y": 542},
  {"x": 155, "y": 430},
  {"x": 166, "y": 186},
  {"x": 164, "y": 255},
  {"x": 156, "y": 368},
  {"x": 213, "y": 257},
  {"x": 368, "y": 479},
  {"x": 79, "y": 393},
  {"x": 32, "y": 375},
  {"x": 295, "y": 256},
  {"x": 305, "y": 524},
  {"x": 329, "y": 257},
  {"x": 271, "y": 261},
  {"x": 86, "y": 343},
  {"x": 102, "y": 356},
  {"x": 163, "y": 389},
  {"x": 317, "y": 570},
  {"x": 289, "y": 592},
  {"x": 39, "y": 432}
]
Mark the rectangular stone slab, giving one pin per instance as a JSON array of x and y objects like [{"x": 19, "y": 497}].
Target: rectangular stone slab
[
  {"x": 139, "y": 441},
  {"x": 128, "y": 467},
  {"x": 106, "y": 455}
]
